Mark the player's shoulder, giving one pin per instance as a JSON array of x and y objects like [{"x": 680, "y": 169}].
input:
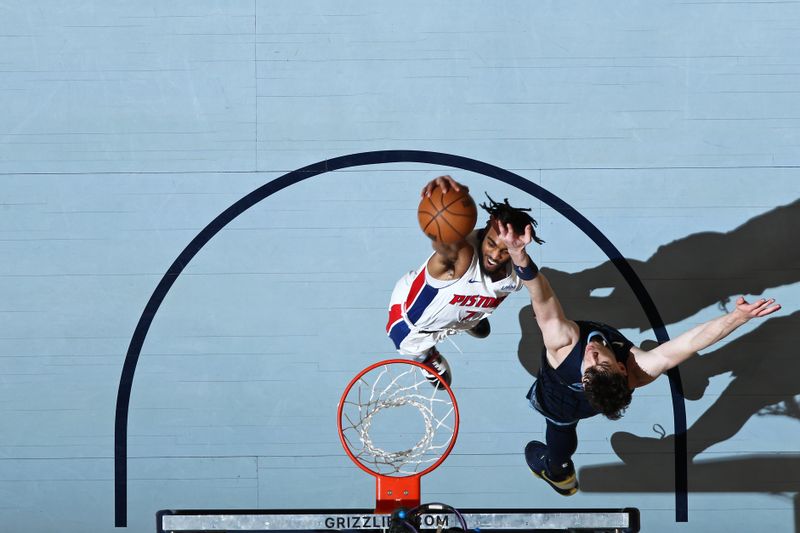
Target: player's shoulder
[{"x": 474, "y": 238}]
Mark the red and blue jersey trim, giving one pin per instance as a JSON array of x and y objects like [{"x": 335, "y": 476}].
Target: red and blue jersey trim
[{"x": 419, "y": 298}]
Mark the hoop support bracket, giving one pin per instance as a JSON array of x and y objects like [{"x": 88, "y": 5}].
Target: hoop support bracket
[{"x": 395, "y": 492}]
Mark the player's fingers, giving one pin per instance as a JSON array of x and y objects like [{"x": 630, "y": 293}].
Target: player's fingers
[
  {"x": 501, "y": 231},
  {"x": 766, "y": 310},
  {"x": 754, "y": 307},
  {"x": 431, "y": 185},
  {"x": 459, "y": 186},
  {"x": 763, "y": 303},
  {"x": 456, "y": 186},
  {"x": 757, "y": 308},
  {"x": 443, "y": 183}
]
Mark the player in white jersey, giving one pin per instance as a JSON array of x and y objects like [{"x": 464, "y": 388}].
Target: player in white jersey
[{"x": 458, "y": 287}]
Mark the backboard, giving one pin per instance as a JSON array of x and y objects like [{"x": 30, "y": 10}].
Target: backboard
[{"x": 366, "y": 521}]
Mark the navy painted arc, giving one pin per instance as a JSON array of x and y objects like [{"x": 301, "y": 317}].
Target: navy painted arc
[{"x": 376, "y": 158}]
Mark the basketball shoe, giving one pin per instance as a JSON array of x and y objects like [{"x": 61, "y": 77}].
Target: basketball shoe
[
  {"x": 565, "y": 484},
  {"x": 438, "y": 365}
]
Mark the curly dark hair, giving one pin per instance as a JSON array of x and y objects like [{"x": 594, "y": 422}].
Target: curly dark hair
[
  {"x": 607, "y": 391},
  {"x": 507, "y": 214}
]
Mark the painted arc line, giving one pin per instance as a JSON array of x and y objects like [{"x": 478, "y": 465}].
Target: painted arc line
[{"x": 377, "y": 158}]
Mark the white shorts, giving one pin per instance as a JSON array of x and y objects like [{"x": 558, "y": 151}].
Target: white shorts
[{"x": 415, "y": 343}]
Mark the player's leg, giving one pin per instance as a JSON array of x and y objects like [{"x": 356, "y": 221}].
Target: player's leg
[
  {"x": 437, "y": 363},
  {"x": 562, "y": 443},
  {"x": 421, "y": 346},
  {"x": 409, "y": 342},
  {"x": 481, "y": 330},
  {"x": 552, "y": 462}
]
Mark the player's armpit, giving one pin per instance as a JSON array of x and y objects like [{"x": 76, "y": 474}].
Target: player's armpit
[
  {"x": 644, "y": 366},
  {"x": 450, "y": 261}
]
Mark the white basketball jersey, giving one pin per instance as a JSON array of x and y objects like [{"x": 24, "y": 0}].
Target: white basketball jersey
[{"x": 422, "y": 304}]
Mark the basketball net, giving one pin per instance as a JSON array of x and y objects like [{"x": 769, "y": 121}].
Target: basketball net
[{"x": 394, "y": 389}]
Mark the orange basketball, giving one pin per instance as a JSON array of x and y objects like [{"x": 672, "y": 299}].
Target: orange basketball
[{"x": 447, "y": 218}]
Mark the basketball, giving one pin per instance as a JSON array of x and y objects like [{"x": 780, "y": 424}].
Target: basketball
[{"x": 449, "y": 217}]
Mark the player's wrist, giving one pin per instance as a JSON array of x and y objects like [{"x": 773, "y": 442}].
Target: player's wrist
[
  {"x": 524, "y": 266},
  {"x": 519, "y": 256},
  {"x": 527, "y": 273},
  {"x": 737, "y": 317}
]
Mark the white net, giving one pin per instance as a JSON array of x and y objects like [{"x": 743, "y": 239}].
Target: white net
[{"x": 395, "y": 422}]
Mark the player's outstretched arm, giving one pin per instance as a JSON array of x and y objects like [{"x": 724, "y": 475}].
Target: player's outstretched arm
[
  {"x": 651, "y": 364},
  {"x": 557, "y": 331},
  {"x": 449, "y": 261}
]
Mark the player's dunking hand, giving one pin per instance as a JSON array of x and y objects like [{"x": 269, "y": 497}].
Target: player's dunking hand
[
  {"x": 762, "y": 307},
  {"x": 445, "y": 183}
]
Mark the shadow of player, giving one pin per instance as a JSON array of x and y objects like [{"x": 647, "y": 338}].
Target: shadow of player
[
  {"x": 777, "y": 474},
  {"x": 765, "y": 367},
  {"x": 682, "y": 277}
]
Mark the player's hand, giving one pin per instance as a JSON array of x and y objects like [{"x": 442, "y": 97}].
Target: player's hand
[
  {"x": 445, "y": 183},
  {"x": 762, "y": 307},
  {"x": 515, "y": 242}
]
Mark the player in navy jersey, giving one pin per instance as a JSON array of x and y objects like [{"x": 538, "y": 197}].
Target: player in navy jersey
[
  {"x": 457, "y": 287},
  {"x": 590, "y": 368}
]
